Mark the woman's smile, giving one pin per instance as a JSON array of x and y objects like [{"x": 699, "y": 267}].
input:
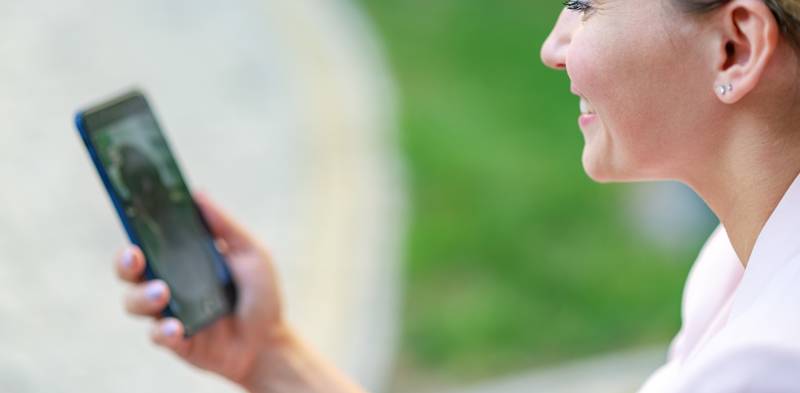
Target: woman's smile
[{"x": 588, "y": 114}]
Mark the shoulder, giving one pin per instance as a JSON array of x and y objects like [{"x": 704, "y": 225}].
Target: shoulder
[
  {"x": 753, "y": 366},
  {"x": 757, "y": 351}
]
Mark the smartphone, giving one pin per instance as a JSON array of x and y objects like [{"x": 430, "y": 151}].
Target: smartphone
[{"x": 156, "y": 208}]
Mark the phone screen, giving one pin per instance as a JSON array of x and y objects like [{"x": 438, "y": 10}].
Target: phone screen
[{"x": 160, "y": 212}]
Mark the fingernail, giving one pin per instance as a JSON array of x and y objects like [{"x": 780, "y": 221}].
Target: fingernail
[
  {"x": 170, "y": 328},
  {"x": 154, "y": 291},
  {"x": 127, "y": 258}
]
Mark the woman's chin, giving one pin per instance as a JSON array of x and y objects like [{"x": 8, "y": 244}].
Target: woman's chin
[
  {"x": 603, "y": 171},
  {"x": 599, "y": 177},
  {"x": 599, "y": 162},
  {"x": 598, "y": 170}
]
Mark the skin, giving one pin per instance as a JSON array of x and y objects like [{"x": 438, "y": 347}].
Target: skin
[{"x": 650, "y": 72}]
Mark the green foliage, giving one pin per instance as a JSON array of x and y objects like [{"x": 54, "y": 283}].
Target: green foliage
[{"x": 515, "y": 257}]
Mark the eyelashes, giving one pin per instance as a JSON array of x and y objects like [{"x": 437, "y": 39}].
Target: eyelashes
[{"x": 577, "y": 5}]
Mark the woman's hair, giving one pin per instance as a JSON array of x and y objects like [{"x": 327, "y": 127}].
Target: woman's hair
[{"x": 787, "y": 12}]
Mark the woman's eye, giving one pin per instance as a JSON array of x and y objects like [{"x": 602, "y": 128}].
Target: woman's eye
[{"x": 578, "y": 5}]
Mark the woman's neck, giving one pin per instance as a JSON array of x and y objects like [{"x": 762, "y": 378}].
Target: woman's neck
[{"x": 747, "y": 180}]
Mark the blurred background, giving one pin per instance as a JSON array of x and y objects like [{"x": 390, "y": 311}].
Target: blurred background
[
  {"x": 515, "y": 259},
  {"x": 413, "y": 165}
]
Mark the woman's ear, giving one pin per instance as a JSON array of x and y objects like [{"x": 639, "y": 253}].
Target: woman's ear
[{"x": 749, "y": 36}]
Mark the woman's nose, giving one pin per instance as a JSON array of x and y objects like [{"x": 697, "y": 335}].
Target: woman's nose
[{"x": 554, "y": 50}]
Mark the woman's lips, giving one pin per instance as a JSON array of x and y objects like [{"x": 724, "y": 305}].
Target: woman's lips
[
  {"x": 585, "y": 120},
  {"x": 588, "y": 114}
]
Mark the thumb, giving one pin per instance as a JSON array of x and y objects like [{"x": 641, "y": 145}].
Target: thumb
[{"x": 221, "y": 224}]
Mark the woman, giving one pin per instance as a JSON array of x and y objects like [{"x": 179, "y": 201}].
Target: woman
[{"x": 701, "y": 91}]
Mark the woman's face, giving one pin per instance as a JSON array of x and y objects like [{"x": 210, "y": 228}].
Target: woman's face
[{"x": 641, "y": 72}]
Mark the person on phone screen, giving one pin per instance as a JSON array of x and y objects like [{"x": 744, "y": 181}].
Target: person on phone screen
[
  {"x": 161, "y": 214},
  {"x": 706, "y": 92}
]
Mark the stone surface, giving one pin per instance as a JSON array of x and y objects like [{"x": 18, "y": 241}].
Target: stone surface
[{"x": 280, "y": 109}]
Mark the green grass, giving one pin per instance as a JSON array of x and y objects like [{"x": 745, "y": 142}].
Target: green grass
[{"x": 515, "y": 257}]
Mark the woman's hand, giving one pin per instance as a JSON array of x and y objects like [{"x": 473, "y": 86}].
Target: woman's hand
[
  {"x": 252, "y": 346},
  {"x": 232, "y": 345}
]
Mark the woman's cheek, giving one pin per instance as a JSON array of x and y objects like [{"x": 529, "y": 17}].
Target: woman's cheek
[
  {"x": 587, "y": 71},
  {"x": 593, "y": 76},
  {"x": 579, "y": 65}
]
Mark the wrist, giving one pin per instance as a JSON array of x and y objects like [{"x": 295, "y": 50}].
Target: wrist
[
  {"x": 270, "y": 354},
  {"x": 274, "y": 362},
  {"x": 287, "y": 364}
]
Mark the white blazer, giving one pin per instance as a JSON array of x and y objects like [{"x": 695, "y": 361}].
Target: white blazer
[{"x": 741, "y": 328}]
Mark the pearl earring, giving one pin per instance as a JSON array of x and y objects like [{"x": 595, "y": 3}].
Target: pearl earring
[{"x": 721, "y": 90}]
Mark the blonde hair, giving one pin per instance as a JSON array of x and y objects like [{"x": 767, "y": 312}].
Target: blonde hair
[{"x": 787, "y": 13}]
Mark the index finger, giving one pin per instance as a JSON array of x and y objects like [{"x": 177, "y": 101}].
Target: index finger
[{"x": 222, "y": 225}]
